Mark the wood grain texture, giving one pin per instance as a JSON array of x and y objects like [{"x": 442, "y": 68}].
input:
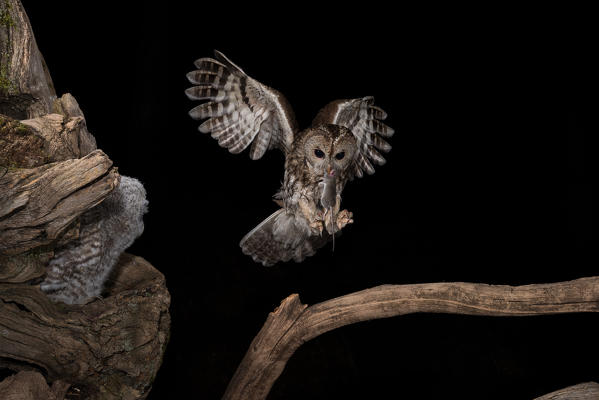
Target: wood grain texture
[
  {"x": 26, "y": 89},
  {"x": 110, "y": 348},
  {"x": 293, "y": 323},
  {"x": 582, "y": 391},
  {"x": 50, "y": 174},
  {"x": 30, "y": 385},
  {"x": 52, "y": 137},
  {"x": 37, "y": 205},
  {"x": 20, "y": 147},
  {"x": 25, "y": 267}
]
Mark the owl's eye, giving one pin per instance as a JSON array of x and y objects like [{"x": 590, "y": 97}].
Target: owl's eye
[
  {"x": 340, "y": 155},
  {"x": 318, "y": 153}
]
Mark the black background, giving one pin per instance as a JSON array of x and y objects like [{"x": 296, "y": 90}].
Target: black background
[{"x": 488, "y": 181}]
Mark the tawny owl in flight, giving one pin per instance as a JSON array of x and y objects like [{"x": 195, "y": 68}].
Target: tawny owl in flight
[{"x": 343, "y": 141}]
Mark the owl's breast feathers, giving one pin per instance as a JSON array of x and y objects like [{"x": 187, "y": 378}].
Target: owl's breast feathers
[{"x": 299, "y": 183}]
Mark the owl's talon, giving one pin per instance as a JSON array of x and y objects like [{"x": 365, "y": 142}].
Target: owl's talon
[{"x": 343, "y": 218}]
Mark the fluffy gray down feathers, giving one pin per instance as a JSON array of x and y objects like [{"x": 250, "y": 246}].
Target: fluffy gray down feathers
[{"x": 79, "y": 270}]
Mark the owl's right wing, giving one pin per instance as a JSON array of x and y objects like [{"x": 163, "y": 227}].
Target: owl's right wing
[
  {"x": 241, "y": 110},
  {"x": 363, "y": 118}
]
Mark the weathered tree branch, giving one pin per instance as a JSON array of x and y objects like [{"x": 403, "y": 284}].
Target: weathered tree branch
[
  {"x": 110, "y": 348},
  {"x": 582, "y": 391},
  {"x": 39, "y": 204},
  {"x": 293, "y": 323}
]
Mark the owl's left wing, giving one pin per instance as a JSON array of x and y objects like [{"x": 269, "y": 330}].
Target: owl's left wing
[
  {"x": 363, "y": 118},
  {"x": 241, "y": 110}
]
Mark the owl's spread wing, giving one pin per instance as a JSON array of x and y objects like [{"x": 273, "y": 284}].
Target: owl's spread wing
[
  {"x": 363, "y": 118},
  {"x": 241, "y": 110}
]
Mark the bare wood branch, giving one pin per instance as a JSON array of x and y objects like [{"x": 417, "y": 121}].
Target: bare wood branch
[
  {"x": 39, "y": 204},
  {"x": 293, "y": 323},
  {"x": 582, "y": 391},
  {"x": 110, "y": 348}
]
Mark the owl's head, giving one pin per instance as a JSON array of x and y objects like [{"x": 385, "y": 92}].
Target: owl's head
[{"x": 329, "y": 149}]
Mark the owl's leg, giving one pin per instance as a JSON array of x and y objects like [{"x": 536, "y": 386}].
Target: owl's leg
[
  {"x": 343, "y": 218},
  {"x": 317, "y": 227},
  {"x": 312, "y": 215}
]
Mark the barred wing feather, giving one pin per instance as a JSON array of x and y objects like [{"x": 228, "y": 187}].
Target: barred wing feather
[
  {"x": 240, "y": 111},
  {"x": 363, "y": 118}
]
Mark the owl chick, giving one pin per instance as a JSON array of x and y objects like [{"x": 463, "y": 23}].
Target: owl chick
[
  {"x": 344, "y": 141},
  {"x": 79, "y": 270}
]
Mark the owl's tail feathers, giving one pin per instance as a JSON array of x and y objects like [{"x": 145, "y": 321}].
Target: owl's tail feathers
[{"x": 280, "y": 237}]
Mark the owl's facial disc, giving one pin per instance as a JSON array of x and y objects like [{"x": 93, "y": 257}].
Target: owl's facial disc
[
  {"x": 343, "y": 153},
  {"x": 317, "y": 150}
]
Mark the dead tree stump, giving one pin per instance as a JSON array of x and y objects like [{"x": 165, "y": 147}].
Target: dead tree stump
[
  {"x": 110, "y": 348},
  {"x": 50, "y": 174}
]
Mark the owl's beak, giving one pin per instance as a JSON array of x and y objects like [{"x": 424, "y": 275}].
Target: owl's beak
[{"x": 330, "y": 171}]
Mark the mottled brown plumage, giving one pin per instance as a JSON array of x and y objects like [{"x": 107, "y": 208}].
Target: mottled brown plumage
[{"x": 344, "y": 141}]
